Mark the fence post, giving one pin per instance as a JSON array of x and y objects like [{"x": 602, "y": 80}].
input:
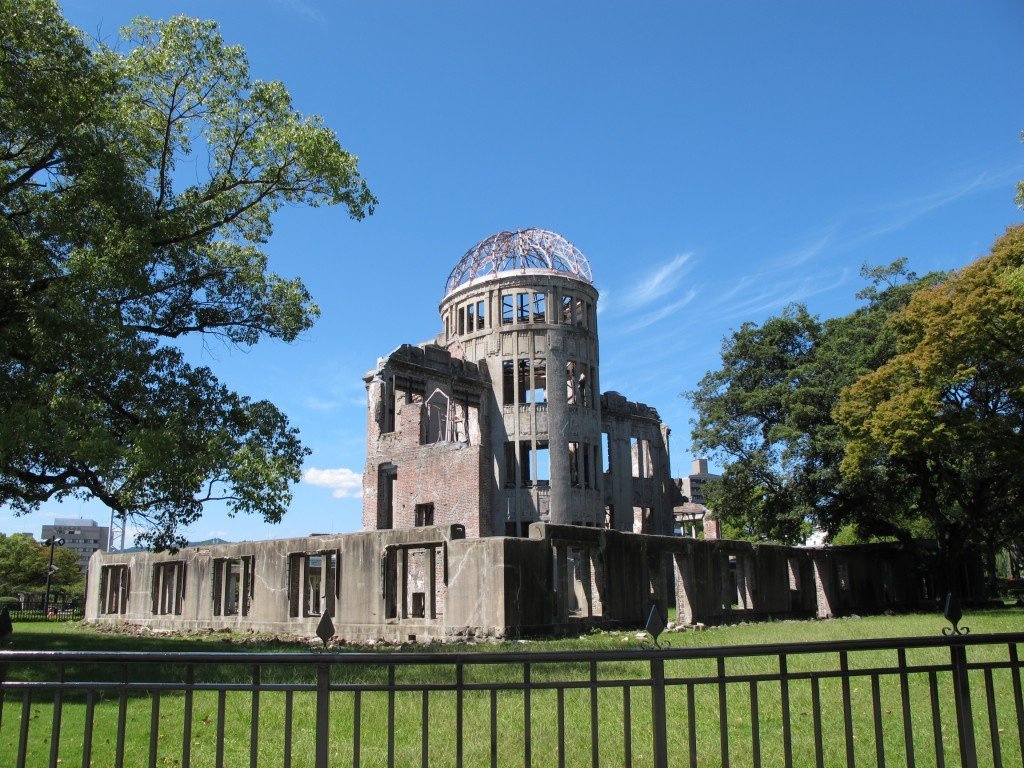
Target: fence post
[
  {"x": 658, "y": 724},
  {"x": 323, "y": 720},
  {"x": 962, "y": 697}
]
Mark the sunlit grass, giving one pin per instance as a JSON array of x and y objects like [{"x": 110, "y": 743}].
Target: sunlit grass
[{"x": 564, "y": 688}]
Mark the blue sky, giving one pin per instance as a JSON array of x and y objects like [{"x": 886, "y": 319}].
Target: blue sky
[{"x": 714, "y": 161}]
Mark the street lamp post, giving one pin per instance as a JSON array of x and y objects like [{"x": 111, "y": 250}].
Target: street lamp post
[{"x": 52, "y": 542}]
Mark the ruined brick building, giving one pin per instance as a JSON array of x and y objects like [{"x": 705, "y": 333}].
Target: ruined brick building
[
  {"x": 499, "y": 421},
  {"x": 503, "y": 494}
]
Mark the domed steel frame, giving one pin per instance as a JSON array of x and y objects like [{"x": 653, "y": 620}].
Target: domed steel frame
[{"x": 520, "y": 250}]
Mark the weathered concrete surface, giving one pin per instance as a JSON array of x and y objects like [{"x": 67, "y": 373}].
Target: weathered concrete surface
[{"x": 432, "y": 582}]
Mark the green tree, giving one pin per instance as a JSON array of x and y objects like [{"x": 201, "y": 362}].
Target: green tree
[
  {"x": 947, "y": 412},
  {"x": 22, "y": 563},
  {"x": 107, "y": 255},
  {"x": 766, "y": 414}
]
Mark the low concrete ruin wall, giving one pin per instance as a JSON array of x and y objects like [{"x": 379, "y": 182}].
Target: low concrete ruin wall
[{"x": 432, "y": 582}]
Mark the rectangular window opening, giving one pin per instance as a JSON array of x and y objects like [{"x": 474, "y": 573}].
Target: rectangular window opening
[
  {"x": 525, "y": 449},
  {"x": 570, "y": 382},
  {"x": 424, "y": 515},
  {"x": 508, "y": 393},
  {"x": 471, "y": 317},
  {"x": 510, "y": 464},
  {"x": 506, "y": 309},
  {"x": 567, "y": 310},
  {"x": 586, "y": 466},
  {"x": 524, "y": 380},
  {"x": 539, "y": 307},
  {"x": 522, "y": 307},
  {"x": 481, "y": 315},
  {"x": 168, "y": 588},
  {"x": 574, "y": 465},
  {"x": 543, "y": 463},
  {"x": 540, "y": 380}
]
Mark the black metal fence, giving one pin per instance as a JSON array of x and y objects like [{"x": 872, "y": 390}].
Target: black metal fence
[
  {"x": 901, "y": 702},
  {"x": 30, "y": 608}
]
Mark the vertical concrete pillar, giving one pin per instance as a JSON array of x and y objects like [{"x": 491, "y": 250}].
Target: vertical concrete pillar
[
  {"x": 686, "y": 592},
  {"x": 403, "y": 587},
  {"x": 431, "y": 583},
  {"x": 558, "y": 441},
  {"x": 561, "y": 584}
]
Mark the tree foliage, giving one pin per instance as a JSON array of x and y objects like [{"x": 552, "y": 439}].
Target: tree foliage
[
  {"x": 136, "y": 189},
  {"x": 766, "y": 414},
  {"x": 23, "y": 565},
  {"x": 947, "y": 411}
]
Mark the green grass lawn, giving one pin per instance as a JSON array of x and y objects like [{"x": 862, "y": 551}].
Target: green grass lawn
[{"x": 688, "y": 701}]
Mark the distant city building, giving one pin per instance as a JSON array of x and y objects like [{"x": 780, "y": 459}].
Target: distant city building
[
  {"x": 689, "y": 517},
  {"x": 80, "y": 535}
]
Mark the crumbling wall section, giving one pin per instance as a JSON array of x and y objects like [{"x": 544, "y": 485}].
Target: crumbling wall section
[
  {"x": 428, "y": 448},
  {"x": 639, "y": 494}
]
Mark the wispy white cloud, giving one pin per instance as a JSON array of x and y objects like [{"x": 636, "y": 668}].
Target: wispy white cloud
[
  {"x": 302, "y": 8},
  {"x": 801, "y": 256},
  {"x": 345, "y": 483},
  {"x": 650, "y": 318},
  {"x": 320, "y": 404},
  {"x": 656, "y": 284}
]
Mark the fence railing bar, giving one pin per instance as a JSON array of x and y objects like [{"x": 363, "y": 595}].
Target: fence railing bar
[
  {"x": 755, "y": 727},
  {"x": 425, "y": 730},
  {"x": 122, "y": 716},
  {"x": 391, "y": 717},
  {"x": 723, "y": 712},
  {"x": 627, "y": 729},
  {"x": 993, "y": 720},
  {"x": 102, "y": 685},
  {"x": 691, "y": 716},
  {"x": 288, "y": 704},
  {"x": 819, "y": 753},
  {"x": 254, "y": 727},
  {"x": 221, "y": 707},
  {"x": 844, "y": 666},
  {"x": 55, "y": 725},
  {"x": 459, "y": 683},
  {"x": 876, "y": 715},
  {"x": 527, "y": 718},
  {"x": 90, "y": 711},
  {"x": 659, "y": 724},
  {"x": 186, "y": 727},
  {"x": 560, "y": 706},
  {"x": 494, "y": 728},
  {"x": 787, "y": 725},
  {"x": 513, "y": 657},
  {"x": 940, "y": 752},
  {"x": 1018, "y": 698},
  {"x": 357, "y": 720},
  {"x": 595, "y": 759},
  {"x": 26, "y": 716},
  {"x": 154, "y": 728},
  {"x": 962, "y": 699},
  {"x": 908, "y": 727}
]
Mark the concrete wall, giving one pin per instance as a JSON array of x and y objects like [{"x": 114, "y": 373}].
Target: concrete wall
[{"x": 433, "y": 582}]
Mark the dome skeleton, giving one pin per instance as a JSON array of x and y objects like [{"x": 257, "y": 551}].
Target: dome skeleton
[{"x": 527, "y": 249}]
